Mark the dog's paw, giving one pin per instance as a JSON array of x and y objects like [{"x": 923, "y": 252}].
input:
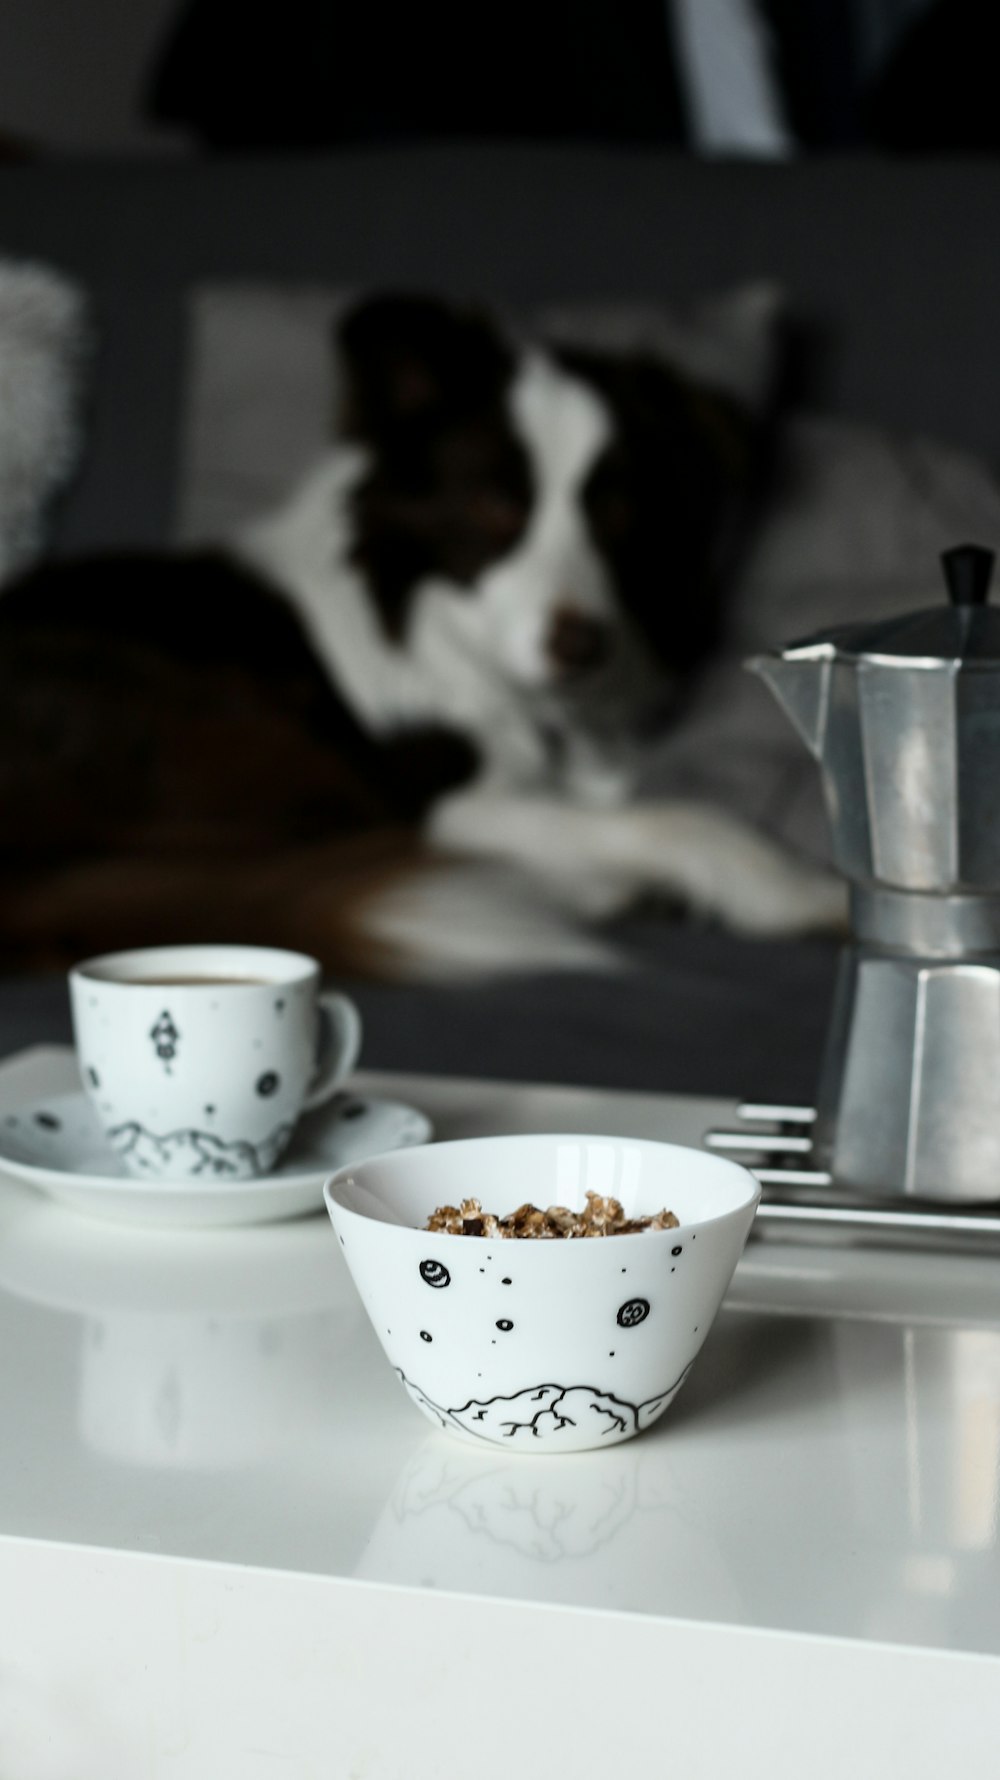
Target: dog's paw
[
  {"x": 464, "y": 920},
  {"x": 787, "y": 897},
  {"x": 722, "y": 868}
]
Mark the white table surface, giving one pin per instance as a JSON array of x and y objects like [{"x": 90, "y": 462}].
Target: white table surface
[{"x": 231, "y": 1548}]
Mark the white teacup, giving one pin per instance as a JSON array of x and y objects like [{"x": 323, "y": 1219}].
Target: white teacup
[{"x": 200, "y": 1059}]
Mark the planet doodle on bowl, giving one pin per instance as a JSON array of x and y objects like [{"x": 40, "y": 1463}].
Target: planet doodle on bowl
[{"x": 554, "y": 1344}]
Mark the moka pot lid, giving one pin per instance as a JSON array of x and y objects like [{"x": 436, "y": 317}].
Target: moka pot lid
[{"x": 964, "y": 632}]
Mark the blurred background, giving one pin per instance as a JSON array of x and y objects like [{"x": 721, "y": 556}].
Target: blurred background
[
  {"x": 208, "y": 174},
  {"x": 772, "y": 78}
]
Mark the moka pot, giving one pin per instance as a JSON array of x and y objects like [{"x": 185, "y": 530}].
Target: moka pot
[{"x": 903, "y": 717}]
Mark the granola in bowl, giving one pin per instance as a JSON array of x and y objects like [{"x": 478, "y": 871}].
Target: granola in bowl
[{"x": 599, "y": 1217}]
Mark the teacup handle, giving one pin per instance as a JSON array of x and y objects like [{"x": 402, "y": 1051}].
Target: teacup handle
[{"x": 339, "y": 1044}]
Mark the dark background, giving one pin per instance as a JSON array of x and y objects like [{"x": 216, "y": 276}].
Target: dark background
[
  {"x": 150, "y": 145},
  {"x": 172, "y": 76}
]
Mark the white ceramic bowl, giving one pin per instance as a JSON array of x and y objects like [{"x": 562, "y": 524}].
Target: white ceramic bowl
[{"x": 542, "y": 1346}]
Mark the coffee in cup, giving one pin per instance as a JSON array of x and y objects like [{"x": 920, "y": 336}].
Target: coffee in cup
[{"x": 199, "y": 1060}]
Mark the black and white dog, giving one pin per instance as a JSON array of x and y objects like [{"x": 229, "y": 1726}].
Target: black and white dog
[{"x": 406, "y": 711}]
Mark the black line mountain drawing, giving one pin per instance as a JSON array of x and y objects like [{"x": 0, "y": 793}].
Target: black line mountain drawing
[
  {"x": 544, "y": 1412},
  {"x": 197, "y": 1152}
]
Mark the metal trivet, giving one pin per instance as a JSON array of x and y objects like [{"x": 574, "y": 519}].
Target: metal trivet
[{"x": 800, "y": 1203}]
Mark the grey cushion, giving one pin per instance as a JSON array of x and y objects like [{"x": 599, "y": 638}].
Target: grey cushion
[
  {"x": 44, "y": 341},
  {"x": 892, "y": 268}
]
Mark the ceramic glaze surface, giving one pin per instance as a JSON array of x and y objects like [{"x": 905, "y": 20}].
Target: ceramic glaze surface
[
  {"x": 200, "y": 1059},
  {"x": 56, "y": 1144},
  {"x": 543, "y": 1346}
]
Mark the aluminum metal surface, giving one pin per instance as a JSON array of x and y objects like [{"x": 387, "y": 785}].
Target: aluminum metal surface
[
  {"x": 804, "y": 1204},
  {"x": 927, "y": 925},
  {"x": 903, "y": 718}
]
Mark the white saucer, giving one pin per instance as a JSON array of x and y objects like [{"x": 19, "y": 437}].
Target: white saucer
[{"x": 57, "y": 1145}]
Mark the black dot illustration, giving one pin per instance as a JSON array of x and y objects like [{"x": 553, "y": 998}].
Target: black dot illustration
[
  {"x": 435, "y": 1273},
  {"x": 611, "y": 1353},
  {"x": 506, "y": 1282},
  {"x": 49, "y": 1121},
  {"x": 678, "y": 1250},
  {"x": 93, "y": 1077},
  {"x": 210, "y": 1110},
  {"x": 504, "y": 1323},
  {"x": 635, "y": 1311},
  {"x": 424, "y": 1336},
  {"x": 268, "y": 1083}
]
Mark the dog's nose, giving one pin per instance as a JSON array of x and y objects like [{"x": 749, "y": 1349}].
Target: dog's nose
[{"x": 577, "y": 641}]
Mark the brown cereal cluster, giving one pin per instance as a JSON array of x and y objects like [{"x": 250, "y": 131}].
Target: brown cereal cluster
[{"x": 600, "y": 1217}]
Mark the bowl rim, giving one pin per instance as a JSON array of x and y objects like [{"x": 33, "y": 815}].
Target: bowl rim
[{"x": 401, "y": 1158}]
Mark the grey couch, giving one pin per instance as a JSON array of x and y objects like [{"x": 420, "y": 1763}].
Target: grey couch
[{"x": 894, "y": 275}]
